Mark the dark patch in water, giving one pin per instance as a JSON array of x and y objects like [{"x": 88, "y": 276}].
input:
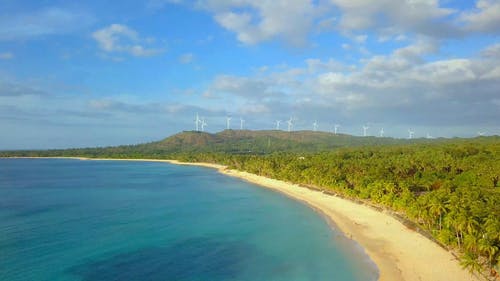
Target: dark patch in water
[
  {"x": 27, "y": 212},
  {"x": 192, "y": 259},
  {"x": 21, "y": 208}
]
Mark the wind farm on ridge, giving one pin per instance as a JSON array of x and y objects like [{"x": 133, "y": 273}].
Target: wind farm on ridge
[{"x": 201, "y": 123}]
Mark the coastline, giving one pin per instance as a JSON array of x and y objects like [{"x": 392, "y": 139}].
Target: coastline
[{"x": 398, "y": 252}]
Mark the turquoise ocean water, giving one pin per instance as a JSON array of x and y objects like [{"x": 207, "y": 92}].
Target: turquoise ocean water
[{"x": 63, "y": 219}]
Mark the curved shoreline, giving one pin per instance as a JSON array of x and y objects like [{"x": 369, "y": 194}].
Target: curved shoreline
[{"x": 398, "y": 252}]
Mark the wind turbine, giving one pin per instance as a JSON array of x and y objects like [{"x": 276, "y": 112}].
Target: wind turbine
[
  {"x": 290, "y": 124},
  {"x": 410, "y": 134},
  {"x": 197, "y": 122},
  {"x": 381, "y": 132},
  {"x": 278, "y": 124},
  {"x": 335, "y": 128},
  {"x": 315, "y": 126},
  {"x": 365, "y": 128},
  {"x": 242, "y": 121},
  {"x": 203, "y": 124},
  {"x": 228, "y": 122}
]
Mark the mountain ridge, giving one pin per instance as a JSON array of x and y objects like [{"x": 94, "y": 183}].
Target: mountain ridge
[{"x": 242, "y": 142}]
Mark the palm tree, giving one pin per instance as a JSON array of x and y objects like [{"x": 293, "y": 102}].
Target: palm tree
[
  {"x": 492, "y": 226},
  {"x": 470, "y": 243},
  {"x": 438, "y": 208},
  {"x": 489, "y": 249},
  {"x": 470, "y": 262},
  {"x": 471, "y": 224}
]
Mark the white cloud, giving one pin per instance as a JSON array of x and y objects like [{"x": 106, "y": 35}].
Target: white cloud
[
  {"x": 14, "y": 88},
  {"x": 6, "y": 56},
  {"x": 47, "y": 21},
  {"x": 402, "y": 88},
  {"x": 108, "y": 37},
  {"x": 417, "y": 50},
  {"x": 493, "y": 74},
  {"x": 485, "y": 18},
  {"x": 360, "y": 39},
  {"x": 122, "y": 39},
  {"x": 317, "y": 65},
  {"x": 186, "y": 58},
  {"x": 293, "y": 21},
  {"x": 379, "y": 67},
  {"x": 158, "y": 4},
  {"x": 241, "y": 86},
  {"x": 255, "y": 21},
  {"x": 327, "y": 24},
  {"x": 492, "y": 51},
  {"x": 101, "y": 104},
  {"x": 420, "y": 16},
  {"x": 489, "y": 69},
  {"x": 124, "y": 105},
  {"x": 254, "y": 109},
  {"x": 404, "y": 78},
  {"x": 453, "y": 71},
  {"x": 140, "y": 51}
]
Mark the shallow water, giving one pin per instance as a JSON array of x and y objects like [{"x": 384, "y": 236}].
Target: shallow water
[{"x": 63, "y": 219}]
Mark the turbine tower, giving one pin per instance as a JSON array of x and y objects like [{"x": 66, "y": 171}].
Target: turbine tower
[
  {"x": 315, "y": 126},
  {"x": 228, "y": 122},
  {"x": 410, "y": 134},
  {"x": 381, "y": 132},
  {"x": 203, "y": 124},
  {"x": 290, "y": 124},
  {"x": 197, "y": 122},
  {"x": 278, "y": 124},
  {"x": 365, "y": 128},
  {"x": 335, "y": 128},
  {"x": 242, "y": 121}
]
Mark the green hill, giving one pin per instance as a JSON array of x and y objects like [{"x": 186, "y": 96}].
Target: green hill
[
  {"x": 239, "y": 142},
  {"x": 245, "y": 141},
  {"x": 269, "y": 141}
]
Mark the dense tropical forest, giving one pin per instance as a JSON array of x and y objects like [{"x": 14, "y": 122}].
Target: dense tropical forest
[{"x": 447, "y": 188}]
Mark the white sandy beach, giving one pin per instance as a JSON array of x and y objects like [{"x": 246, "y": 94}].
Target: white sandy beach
[{"x": 399, "y": 253}]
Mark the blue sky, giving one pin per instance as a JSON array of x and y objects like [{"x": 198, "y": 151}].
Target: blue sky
[{"x": 99, "y": 73}]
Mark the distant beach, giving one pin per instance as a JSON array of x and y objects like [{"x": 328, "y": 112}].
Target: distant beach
[{"x": 399, "y": 252}]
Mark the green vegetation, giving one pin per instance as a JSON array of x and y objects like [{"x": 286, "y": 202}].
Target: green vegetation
[
  {"x": 234, "y": 142},
  {"x": 448, "y": 188}
]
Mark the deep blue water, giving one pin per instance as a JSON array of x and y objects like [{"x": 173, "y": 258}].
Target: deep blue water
[{"x": 64, "y": 219}]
